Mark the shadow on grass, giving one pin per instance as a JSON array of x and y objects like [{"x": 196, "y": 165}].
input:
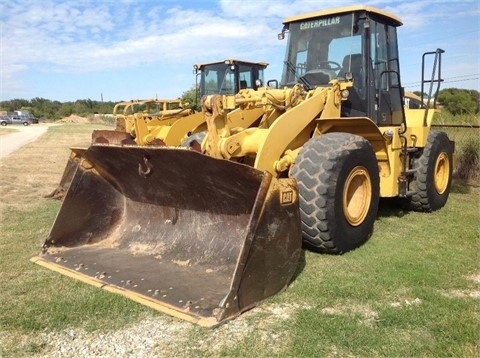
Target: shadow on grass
[{"x": 389, "y": 207}]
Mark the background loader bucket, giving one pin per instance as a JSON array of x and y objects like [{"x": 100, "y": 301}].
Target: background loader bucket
[
  {"x": 68, "y": 173},
  {"x": 196, "y": 237}
]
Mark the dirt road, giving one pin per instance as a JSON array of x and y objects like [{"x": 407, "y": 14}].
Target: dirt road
[{"x": 23, "y": 134}]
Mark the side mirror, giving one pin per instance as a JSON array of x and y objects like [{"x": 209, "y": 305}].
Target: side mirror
[{"x": 272, "y": 83}]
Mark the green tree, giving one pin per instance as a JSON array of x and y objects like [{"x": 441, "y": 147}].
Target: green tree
[
  {"x": 459, "y": 101},
  {"x": 191, "y": 97},
  {"x": 45, "y": 108},
  {"x": 65, "y": 110},
  {"x": 14, "y": 104}
]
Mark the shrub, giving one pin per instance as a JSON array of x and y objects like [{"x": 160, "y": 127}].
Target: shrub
[{"x": 468, "y": 165}]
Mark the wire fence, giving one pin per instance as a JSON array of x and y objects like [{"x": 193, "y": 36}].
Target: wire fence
[{"x": 462, "y": 134}]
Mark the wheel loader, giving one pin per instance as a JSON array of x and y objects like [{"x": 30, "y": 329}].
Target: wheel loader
[
  {"x": 164, "y": 111},
  {"x": 206, "y": 231},
  {"x": 226, "y": 77},
  {"x": 151, "y": 121}
]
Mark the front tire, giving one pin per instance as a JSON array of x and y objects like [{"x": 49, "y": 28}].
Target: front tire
[
  {"x": 338, "y": 183},
  {"x": 433, "y": 180}
]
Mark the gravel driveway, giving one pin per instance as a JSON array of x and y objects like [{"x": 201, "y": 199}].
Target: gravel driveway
[{"x": 22, "y": 135}]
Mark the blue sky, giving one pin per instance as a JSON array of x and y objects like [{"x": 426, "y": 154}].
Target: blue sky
[{"x": 131, "y": 49}]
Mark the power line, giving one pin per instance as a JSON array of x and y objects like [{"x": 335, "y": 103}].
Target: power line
[
  {"x": 461, "y": 78},
  {"x": 469, "y": 79}
]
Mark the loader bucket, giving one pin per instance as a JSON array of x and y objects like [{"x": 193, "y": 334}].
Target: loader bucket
[
  {"x": 106, "y": 136},
  {"x": 68, "y": 173},
  {"x": 199, "y": 238},
  {"x": 98, "y": 136}
]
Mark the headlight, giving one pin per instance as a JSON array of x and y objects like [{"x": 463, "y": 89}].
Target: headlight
[{"x": 388, "y": 134}]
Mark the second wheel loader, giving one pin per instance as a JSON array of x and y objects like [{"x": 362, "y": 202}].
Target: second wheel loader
[{"x": 206, "y": 232}]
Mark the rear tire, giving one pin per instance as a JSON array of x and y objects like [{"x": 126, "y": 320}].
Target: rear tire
[
  {"x": 434, "y": 166},
  {"x": 338, "y": 183}
]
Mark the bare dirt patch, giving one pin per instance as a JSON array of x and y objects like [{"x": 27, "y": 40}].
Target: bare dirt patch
[
  {"x": 364, "y": 313},
  {"x": 78, "y": 119},
  {"x": 406, "y": 303},
  {"x": 473, "y": 293},
  {"x": 475, "y": 278},
  {"x": 18, "y": 137}
]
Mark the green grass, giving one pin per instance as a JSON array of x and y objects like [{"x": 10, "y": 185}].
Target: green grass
[
  {"x": 411, "y": 291},
  {"x": 390, "y": 295},
  {"x": 444, "y": 117}
]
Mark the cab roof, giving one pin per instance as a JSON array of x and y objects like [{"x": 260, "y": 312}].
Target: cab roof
[
  {"x": 394, "y": 20},
  {"x": 231, "y": 61}
]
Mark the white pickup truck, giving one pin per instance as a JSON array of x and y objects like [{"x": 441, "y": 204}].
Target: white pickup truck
[{"x": 25, "y": 118}]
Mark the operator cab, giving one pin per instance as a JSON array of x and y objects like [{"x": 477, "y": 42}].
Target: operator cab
[
  {"x": 230, "y": 76},
  {"x": 356, "y": 43}
]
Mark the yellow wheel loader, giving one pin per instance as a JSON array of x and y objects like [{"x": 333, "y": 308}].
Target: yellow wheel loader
[
  {"x": 158, "y": 111},
  {"x": 225, "y": 77},
  {"x": 206, "y": 231}
]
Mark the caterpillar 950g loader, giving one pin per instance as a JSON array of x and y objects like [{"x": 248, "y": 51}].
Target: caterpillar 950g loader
[{"x": 206, "y": 234}]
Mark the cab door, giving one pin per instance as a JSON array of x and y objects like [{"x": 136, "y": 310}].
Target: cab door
[{"x": 385, "y": 88}]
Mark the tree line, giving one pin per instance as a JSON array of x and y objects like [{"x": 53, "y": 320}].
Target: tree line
[
  {"x": 454, "y": 100},
  {"x": 43, "y": 108}
]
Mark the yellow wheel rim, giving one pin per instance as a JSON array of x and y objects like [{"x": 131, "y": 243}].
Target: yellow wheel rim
[
  {"x": 357, "y": 195},
  {"x": 442, "y": 173}
]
